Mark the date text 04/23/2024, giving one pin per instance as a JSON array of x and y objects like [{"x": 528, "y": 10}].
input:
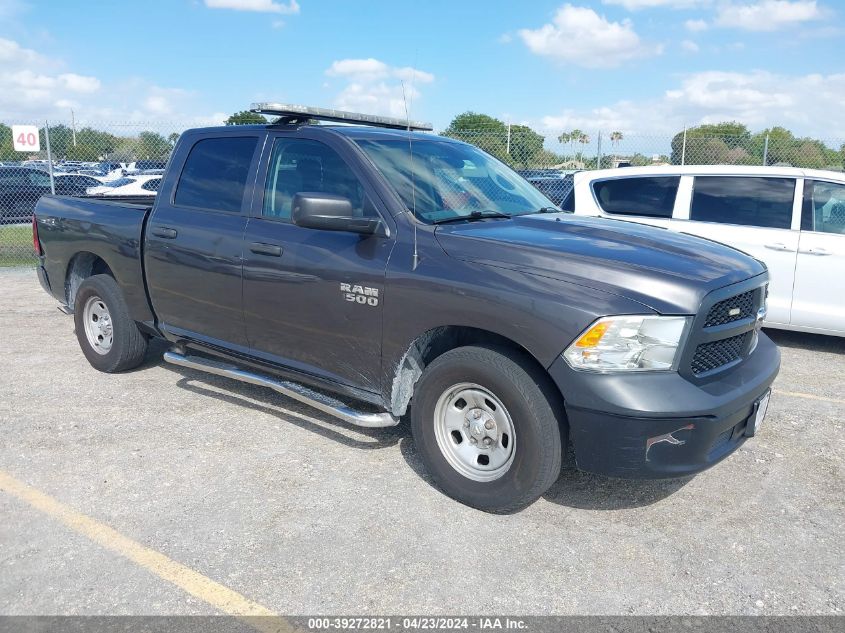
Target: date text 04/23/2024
[{"x": 417, "y": 623}]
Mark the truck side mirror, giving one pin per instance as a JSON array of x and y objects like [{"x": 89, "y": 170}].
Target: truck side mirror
[{"x": 331, "y": 213}]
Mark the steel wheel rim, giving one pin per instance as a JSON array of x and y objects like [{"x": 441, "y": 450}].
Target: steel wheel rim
[
  {"x": 475, "y": 432},
  {"x": 96, "y": 320}
]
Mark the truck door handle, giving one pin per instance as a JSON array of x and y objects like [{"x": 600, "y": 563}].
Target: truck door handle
[
  {"x": 165, "y": 232},
  {"x": 260, "y": 248},
  {"x": 777, "y": 246},
  {"x": 816, "y": 251}
]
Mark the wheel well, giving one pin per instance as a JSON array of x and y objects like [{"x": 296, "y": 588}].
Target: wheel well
[
  {"x": 442, "y": 339},
  {"x": 82, "y": 266}
]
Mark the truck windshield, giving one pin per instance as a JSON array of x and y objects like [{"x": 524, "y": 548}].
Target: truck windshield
[{"x": 445, "y": 180}]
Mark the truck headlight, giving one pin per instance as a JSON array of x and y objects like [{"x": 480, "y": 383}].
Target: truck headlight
[{"x": 628, "y": 343}]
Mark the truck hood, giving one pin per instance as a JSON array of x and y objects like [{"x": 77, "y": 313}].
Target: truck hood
[{"x": 666, "y": 271}]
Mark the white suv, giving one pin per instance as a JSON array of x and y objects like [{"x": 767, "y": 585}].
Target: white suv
[{"x": 792, "y": 219}]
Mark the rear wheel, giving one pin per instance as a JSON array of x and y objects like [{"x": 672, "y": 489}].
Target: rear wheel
[
  {"x": 486, "y": 429},
  {"x": 109, "y": 338}
]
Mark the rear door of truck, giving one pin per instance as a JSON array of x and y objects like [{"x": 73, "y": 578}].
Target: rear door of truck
[{"x": 194, "y": 240}]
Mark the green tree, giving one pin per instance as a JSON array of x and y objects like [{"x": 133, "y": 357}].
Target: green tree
[
  {"x": 525, "y": 145},
  {"x": 61, "y": 138},
  {"x": 152, "y": 146},
  {"x": 482, "y": 131},
  {"x": 7, "y": 149},
  {"x": 92, "y": 144},
  {"x": 245, "y": 117},
  {"x": 712, "y": 144}
]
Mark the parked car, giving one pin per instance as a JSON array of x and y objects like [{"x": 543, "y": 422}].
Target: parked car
[
  {"x": 77, "y": 182},
  {"x": 22, "y": 187},
  {"x": 554, "y": 183},
  {"x": 330, "y": 264},
  {"x": 791, "y": 219},
  {"x": 145, "y": 165},
  {"x": 142, "y": 185}
]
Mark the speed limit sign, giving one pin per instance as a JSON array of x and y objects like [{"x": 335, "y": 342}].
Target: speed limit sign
[{"x": 25, "y": 138}]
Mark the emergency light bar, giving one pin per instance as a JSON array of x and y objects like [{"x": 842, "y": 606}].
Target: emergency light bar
[{"x": 290, "y": 113}]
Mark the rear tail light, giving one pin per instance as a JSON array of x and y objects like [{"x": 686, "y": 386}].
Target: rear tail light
[{"x": 35, "y": 243}]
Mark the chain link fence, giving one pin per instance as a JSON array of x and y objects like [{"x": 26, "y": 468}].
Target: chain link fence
[
  {"x": 84, "y": 159},
  {"x": 90, "y": 158}
]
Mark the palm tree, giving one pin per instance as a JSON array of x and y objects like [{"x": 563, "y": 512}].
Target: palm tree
[
  {"x": 565, "y": 138},
  {"x": 615, "y": 138},
  {"x": 583, "y": 139}
]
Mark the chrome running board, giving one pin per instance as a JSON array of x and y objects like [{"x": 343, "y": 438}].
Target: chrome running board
[{"x": 298, "y": 392}]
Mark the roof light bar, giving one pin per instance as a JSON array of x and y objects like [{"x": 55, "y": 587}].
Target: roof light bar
[{"x": 299, "y": 113}]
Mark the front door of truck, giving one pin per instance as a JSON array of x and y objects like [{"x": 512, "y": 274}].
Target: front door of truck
[
  {"x": 313, "y": 298},
  {"x": 194, "y": 240}
]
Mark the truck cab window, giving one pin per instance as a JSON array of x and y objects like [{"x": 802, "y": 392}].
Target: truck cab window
[
  {"x": 300, "y": 165},
  {"x": 215, "y": 174}
]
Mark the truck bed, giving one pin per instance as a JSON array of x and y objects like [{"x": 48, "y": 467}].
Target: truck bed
[{"x": 78, "y": 233}]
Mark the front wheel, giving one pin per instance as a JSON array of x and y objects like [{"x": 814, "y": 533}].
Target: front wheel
[
  {"x": 486, "y": 428},
  {"x": 109, "y": 338}
]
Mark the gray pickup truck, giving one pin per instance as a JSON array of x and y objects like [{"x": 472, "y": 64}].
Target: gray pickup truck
[{"x": 380, "y": 273}]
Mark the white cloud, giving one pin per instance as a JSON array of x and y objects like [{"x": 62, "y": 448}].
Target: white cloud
[
  {"x": 362, "y": 69},
  {"x": 30, "y": 83},
  {"x": 261, "y": 6},
  {"x": 767, "y": 15},
  {"x": 689, "y": 46},
  {"x": 807, "y": 104},
  {"x": 634, "y": 5},
  {"x": 13, "y": 53},
  {"x": 375, "y": 87},
  {"x": 34, "y": 86},
  {"x": 578, "y": 35},
  {"x": 79, "y": 83},
  {"x": 695, "y": 26}
]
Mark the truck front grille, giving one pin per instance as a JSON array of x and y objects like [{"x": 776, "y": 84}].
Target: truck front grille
[
  {"x": 715, "y": 354},
  {"x": 733, "y": 309}
]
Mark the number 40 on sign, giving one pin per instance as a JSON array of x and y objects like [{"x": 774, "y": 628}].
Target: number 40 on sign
[{"x": 25, "y": 138}]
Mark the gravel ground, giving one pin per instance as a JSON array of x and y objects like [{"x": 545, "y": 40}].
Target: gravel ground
[{"x": 305, "y": 515}]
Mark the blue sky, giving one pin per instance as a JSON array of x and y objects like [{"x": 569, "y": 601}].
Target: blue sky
[{"x": 641, "y": 66}]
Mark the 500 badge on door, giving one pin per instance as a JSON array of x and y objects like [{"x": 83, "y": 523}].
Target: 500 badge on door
[{"x": 360, "y": 294}]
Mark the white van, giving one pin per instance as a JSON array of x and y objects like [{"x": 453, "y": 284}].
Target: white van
[{"x": 792, "y": 219}]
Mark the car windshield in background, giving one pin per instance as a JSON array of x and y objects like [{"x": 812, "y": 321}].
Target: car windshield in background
[{"x": 446, "y": 180}]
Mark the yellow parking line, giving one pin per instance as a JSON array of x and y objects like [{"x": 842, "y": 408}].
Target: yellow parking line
[
  {"x": 199, "y": 586},
  {"x": 809, "y": 396}
]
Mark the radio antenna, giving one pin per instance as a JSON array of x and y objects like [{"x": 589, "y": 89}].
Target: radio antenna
[{"x": 416, "y": 257}]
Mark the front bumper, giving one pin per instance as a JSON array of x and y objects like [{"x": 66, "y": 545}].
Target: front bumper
[{"x": 657, "y": 424}]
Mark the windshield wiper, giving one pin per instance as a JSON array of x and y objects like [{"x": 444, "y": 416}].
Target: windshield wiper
[
  {"x": 475, "y": 215},
  {"x": 544, "y": 210}
]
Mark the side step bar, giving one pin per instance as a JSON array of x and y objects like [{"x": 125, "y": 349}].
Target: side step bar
[{"x": 298, "y": 392}]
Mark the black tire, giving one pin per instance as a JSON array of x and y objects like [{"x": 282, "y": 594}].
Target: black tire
[
  {"x": 535, "y": 412},
  {"x": 128, "y": 343}
]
